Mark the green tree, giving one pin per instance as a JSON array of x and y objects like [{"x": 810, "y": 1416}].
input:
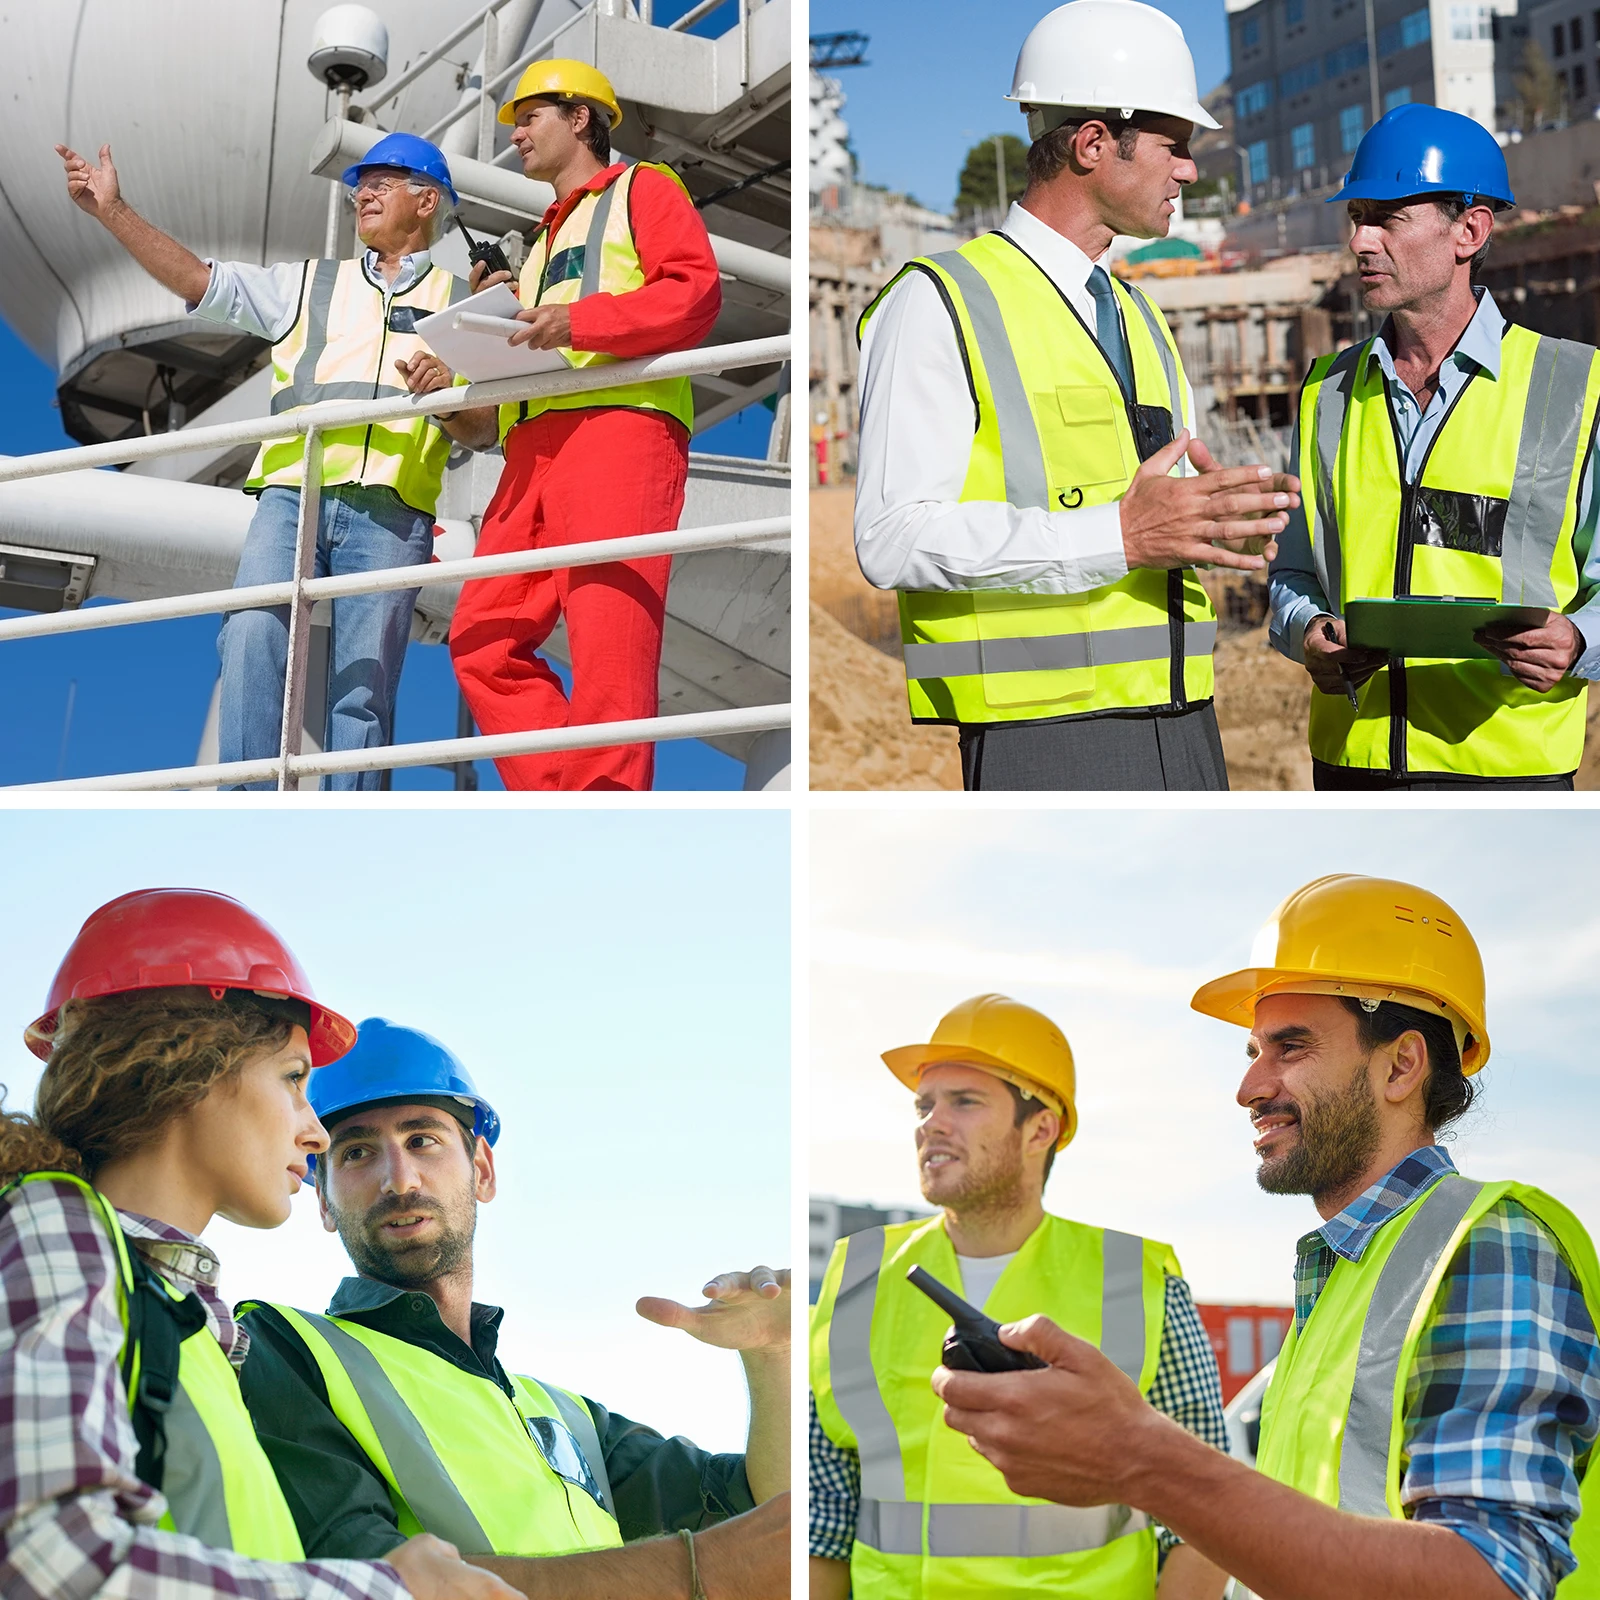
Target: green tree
[
  {"x": 979, "y": 184},
  {"x": 1538, "y": 88}
]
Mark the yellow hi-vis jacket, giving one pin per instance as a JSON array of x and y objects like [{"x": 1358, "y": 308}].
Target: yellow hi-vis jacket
[
  {"x": 1054, "y": 429},
  {"x": 343, "y": 346},
  {"x": 936, "y": 1519},
  {"x": 1491, "y": 516},
  {"x": 218, "y": 1483},
  {"x": 593, "y": 252},
  {"x": 1332, "y": 1419},
  {"x": 463, "y": 1460}
]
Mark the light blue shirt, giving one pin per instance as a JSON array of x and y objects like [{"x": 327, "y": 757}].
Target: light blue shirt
[
  {"x": 1295, "y": 593},
  {"x": 265, "y": 300}
]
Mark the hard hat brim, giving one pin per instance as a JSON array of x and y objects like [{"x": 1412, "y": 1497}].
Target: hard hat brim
[
  {"x": 351, "y": 176},
  {"x": 1196, "y": 113},
  {"x": 507, "y": 114},
  {"x": 1372, "y": 189},
  {"x": 1233, "y": 998},
  {"x": 910, "y": 1061}
]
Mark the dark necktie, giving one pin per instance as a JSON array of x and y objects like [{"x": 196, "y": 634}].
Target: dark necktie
[{"x": 1108, "y": 326}]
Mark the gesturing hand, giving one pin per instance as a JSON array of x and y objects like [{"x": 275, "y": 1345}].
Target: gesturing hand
[
  {"x": 92, "y": 189},
  {"x": 746, "y": 1311},
  {"x": 1172, "y": 522}
]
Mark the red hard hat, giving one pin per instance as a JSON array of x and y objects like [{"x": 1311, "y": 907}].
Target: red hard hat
[{"x": 167, "y": 938}]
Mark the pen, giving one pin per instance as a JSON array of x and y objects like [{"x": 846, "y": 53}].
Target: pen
[{"x": 1344, "y": 672}]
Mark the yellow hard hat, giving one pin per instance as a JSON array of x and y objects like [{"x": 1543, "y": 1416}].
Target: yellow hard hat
[
  {"x": 1002, "y": 1036},
  {"x": 563, "y": 80},
  {"x": 1369, "y": 939}
]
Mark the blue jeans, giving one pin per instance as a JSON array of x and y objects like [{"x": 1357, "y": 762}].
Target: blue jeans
[{"x": 359, "y": 530}]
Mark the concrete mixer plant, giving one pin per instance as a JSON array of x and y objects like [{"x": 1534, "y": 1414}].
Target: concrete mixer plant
[{"x": 236, "y": 147}]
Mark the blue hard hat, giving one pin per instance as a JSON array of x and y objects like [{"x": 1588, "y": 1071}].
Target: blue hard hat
[
  {"x": 410, "y": 154},
  {"x": 389, "y": 1063},
  {"x": 1423, "y": 150}
]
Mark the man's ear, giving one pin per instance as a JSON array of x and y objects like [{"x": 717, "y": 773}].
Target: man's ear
[
  {"x": 483, "y": 1170},
  {"x": 1407, "y": 1073},
  {"x": 328, "y": 1224}
]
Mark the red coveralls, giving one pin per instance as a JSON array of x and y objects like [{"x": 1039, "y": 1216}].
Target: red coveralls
[{"x": 602, "y": 472}]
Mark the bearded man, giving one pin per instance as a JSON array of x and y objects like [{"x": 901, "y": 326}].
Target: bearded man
[
  {"x": 1429, "y": 1426},
  {"x": 900, "y": 1506},
  {"x": 393, "y": 1411}
]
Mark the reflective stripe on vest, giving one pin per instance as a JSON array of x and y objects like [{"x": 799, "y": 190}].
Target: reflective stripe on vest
[
  {"x": 216, "y": 1479},
  {"x": 1493, "y": 513},
  {"x": 897, "y": 1532},
  {"x": 342, "y": 347},
  {"x": 600, "y": 226},
  {"x": 415, "y": 1414},
  {"x": 1055, "y": 430},
  {"x": 1332, "y": 1423}
]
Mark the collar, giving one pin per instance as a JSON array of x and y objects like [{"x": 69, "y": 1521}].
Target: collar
[
  {"x": 180, "y": 1256},
  {"x": 1479, "y": 342},
  {"x": 1061, "y": 259},
  {"x": 558, "y": 211},
  {"x": 1353, "y": 1229},
  {"x": 412, "y": 268},
  {"x": 357, "y": 1297}
]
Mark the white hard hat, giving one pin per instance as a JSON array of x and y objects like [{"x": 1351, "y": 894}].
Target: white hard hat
[{"x": 1108, "y": 55}]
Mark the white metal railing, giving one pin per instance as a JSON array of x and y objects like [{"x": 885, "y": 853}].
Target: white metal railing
[
  {"x": 487, "y": 22},
  {"x": 301, "y": 591}
]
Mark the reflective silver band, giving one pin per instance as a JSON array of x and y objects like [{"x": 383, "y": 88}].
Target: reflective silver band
[
  {"x": 1122, "y": 1338},
  {"x": 1055, "y": 652},
  {"x": 192, "y": 1475},
  {"x": 895, "y": 1528},
  {"x": 1332, "y": 405},
  {"x": 1546, "y": 454},
  {"x": 1021, "y": 453},
  {"x": 1169, "y": 362},
  {"x": 424, "y": 1483},
  {"x": 855, "y": 1384},
  {"x": 594, "y": 241},
  {"x": 581, "y": 1426},
  {"x": 1364, "y": 1456}
]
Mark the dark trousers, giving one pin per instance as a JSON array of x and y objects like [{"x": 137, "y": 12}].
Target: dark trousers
[
  {"x": 1326, "y": 776},
  {"x": 1180, "y": 751}
]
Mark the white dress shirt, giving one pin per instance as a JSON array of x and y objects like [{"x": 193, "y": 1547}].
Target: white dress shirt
[{"x": 912, "y": 530}]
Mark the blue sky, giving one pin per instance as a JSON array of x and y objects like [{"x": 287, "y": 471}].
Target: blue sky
[
  {"x": 937, "y": 74},
  {"x": 1108, "y": 922},
  {"x": 141, "y": 693},
  {"x": 617, "y": 983}
]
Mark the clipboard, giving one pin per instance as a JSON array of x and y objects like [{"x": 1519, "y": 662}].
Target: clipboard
[
  {"x": 1431, "y": 630},
  {"x": 480, "y": 353}
]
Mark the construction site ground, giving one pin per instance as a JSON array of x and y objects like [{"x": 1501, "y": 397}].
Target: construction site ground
[{"x": 863, "y": 738}]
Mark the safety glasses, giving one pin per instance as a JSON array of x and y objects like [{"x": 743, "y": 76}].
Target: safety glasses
[{"x": 562, "y": 1455}]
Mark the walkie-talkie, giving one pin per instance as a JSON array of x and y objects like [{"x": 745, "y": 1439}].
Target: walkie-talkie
[
  {"x": 973, "y": 1343},
  {"x": 486, "y": 251}
]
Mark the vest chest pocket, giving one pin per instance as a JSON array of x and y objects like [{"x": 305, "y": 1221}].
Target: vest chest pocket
[
  {"x": 1083, "y": 446},
  {"x": 1455, "y": 543}
]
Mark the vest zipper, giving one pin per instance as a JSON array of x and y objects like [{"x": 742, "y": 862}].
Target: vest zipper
[
  {"x": 1176, "y": 686},
  {"x": 1398, "y": 767}
]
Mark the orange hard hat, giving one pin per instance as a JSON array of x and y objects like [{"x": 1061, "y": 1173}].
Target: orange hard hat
[{"x": 175, "y": 938}]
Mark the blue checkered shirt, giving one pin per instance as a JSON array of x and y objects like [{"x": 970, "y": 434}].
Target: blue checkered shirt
[
  {"x": 1185, "y": 1388},
  {"x": 1504, "y": 1398}
]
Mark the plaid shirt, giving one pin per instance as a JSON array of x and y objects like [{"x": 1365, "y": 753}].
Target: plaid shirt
[
  {"x": 75, "y": 1521},
  {"x": 1504, "y": 1396},
  {"x": 1186, "y": 1388}
]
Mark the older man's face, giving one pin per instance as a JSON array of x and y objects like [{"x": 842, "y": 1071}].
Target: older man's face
[
  {"x": 1408, "y": 250},
  {"x": 389, "y": 208}
]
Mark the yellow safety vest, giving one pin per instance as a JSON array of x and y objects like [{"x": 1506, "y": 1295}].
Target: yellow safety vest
[
  {"x": 1053, "y": 429},
  {"x": 1491, "y": 516},
  {"x": 1332, "y": 1419},
  {"x": 936, "y": 1519},
  {"x": 593, "y": 252},
  {"x": 343, "y": 346},
  {"x": 463, "y": 1460},
  {"x": 219, "y": 1485}
]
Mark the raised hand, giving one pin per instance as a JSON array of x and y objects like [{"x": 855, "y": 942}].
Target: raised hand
[
  {"x": 92, "y": 189},
  {"x": 744, "y": 1311},
  {"x": 477, "y": 280}
]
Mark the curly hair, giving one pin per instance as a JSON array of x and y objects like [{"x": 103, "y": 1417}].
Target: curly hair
[{"x": 125, "y": 1065}]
